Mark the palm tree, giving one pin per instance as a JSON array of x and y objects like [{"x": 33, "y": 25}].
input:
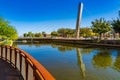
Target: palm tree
[
  {"x": 116, "y": 25},
  {"x": 101, "y": 26}
]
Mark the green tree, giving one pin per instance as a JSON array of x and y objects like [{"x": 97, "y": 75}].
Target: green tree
[
  {"x": 70, "y": 32},
  {"x": 11, "y": 33},
  {"x": 66, "y": 32},
  {"x": 25, "y": 35},
  {"x": 44, "y": 34},
  {"x": 62, "y": 32},
  {"x": 101, "y": 26},
  {"x": 116, "y": 25},
  {"x": 30, "y": 34},
  {"x": 54, "y": 33},
  {"x": 86, "y": 32},
  {"x": 3, "y": 22},
  {"x": 38, "y": 35},
  {"x": 33, "y": 35},
  {"x": 7, "y": 32}
]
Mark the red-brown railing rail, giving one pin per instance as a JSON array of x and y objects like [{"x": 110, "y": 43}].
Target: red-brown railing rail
[{"x": 29, "y": 68}]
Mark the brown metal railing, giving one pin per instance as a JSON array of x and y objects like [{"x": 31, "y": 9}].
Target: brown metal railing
[{"x": 29, "y": 68}]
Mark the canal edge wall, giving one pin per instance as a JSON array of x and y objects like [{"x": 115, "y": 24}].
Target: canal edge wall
[{"x": 105, "y": 43}]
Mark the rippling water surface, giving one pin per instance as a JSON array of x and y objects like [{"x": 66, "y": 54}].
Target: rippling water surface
[{"x": 73, "y": 63}]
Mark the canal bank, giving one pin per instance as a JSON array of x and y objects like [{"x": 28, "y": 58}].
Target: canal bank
[{"x": 74, "y": 42}]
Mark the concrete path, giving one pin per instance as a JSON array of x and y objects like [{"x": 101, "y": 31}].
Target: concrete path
[{"x": 7, "y": 72}]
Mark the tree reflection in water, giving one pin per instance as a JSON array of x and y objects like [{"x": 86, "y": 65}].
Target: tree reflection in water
[
  {"x": 103, "y": 59},
  {"x": 86, "y": 50},
  {"x": 117, "y": 62},
  {"x": 79, "y": 52},
  {"x": 63, "y": 48}
]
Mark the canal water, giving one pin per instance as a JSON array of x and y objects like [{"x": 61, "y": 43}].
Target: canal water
[{"x": 74, "y": 63}]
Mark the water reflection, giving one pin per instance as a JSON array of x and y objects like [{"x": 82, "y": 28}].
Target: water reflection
[
  {"x": 79, "y": 52},
  {"x": 63, "y": 48},
  {"x": 86, "y": 50},
  {"x": 77, "y": 63},
  {"x": 102, "y": 59},
  {"x": 80, "y": 62},
  {"x": 117, "y": 62}
]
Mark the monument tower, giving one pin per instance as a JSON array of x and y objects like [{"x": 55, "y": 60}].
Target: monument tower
[
  {"x": 119, "y": 14},
  {"x": 80, "y": 9}
]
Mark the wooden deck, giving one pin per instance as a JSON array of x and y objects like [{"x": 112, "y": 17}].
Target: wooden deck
[{"x": 8, "y": 72}]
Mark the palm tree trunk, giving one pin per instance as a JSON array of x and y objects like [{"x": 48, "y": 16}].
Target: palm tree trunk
[{"x": 100, "y": 36}]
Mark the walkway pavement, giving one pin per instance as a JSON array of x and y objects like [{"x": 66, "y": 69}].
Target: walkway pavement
[{"x": 7, "y": 72}]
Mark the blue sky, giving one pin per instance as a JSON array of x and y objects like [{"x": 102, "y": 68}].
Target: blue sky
[{"x": 49, "y": 15}]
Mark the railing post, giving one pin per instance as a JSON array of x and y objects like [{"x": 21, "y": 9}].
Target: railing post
[
  {"x": 10, "y": 54},
  {"x": 26, "y": 70},
  {"x": 18, "y": 60},
  {"x": 23, "y": 71},
  {"x": 20, "y": 63},
  {"x": 30, "y": 73},
  {"x": 15, "y": 57},
  {"x": 1, "y": 51},
  {"x": 6, "y": 53}
]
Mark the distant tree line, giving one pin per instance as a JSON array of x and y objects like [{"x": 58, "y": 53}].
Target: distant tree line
[
  {"x": 98, "y": 27},
  {"x": 30, "y": 34},
  {"x": 63, "y": 32},
  {"x": 67, "y": 32}
]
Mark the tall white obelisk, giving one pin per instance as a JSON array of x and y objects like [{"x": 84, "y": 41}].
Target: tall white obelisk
[
  {"x": 80, "y": 9},
  {"x": 119, "y": 14}
]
